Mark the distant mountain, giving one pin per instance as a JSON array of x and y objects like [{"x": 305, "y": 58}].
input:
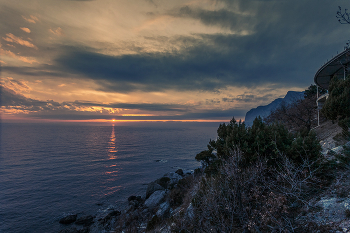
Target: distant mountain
[{"x": 264, "y": 111}]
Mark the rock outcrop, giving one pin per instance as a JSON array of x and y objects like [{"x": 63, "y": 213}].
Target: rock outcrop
[
  {"x": 140, "y": 211},
  {"x": 264, "y": 111}
]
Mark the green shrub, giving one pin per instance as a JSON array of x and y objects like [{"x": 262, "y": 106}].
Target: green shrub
[
  {"x": 268, "y": 141},
  {"x": 305, "y": 148},
  {"x": 337, "y": 105}
]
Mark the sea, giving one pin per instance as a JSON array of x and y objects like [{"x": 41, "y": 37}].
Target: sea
[{"x": 49, "y": 170}]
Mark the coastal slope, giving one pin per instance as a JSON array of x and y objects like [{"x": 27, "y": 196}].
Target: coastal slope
[{"x": 264, "y": 111}]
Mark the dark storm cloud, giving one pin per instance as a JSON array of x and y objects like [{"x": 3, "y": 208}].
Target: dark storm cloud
[
  {"x": 148, "y": 72},
  {"x": 225, "y": 60},
  {"x": 222, "y": 17},
  {"x": 286, "y": 46},
  {"x": 42, "y": 70}
]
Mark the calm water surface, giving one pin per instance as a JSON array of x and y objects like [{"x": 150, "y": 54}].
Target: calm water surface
[{"x": 50, "y": 170}]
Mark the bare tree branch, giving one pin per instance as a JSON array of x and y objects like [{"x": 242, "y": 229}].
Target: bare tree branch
[{"x": 343, "y": 18}]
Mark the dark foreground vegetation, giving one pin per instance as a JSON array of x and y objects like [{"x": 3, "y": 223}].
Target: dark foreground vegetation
[
  {"x": 337, "y": 106},
  {"x": 258, "y": 179}
]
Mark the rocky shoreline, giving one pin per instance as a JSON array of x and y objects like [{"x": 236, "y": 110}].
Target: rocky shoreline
[{"x": 161, "y": 200}]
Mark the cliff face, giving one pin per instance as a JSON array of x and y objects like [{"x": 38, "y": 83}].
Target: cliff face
[{"x": 264, "y": 111}]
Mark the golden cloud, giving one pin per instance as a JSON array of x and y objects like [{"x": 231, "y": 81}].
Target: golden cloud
[
  {"x": 11, "y": 45},
  {"x": 27, "y": 30},
  {"x": 29, "y": 60},
  {"x": 57, "y": 32},
  {"x": 14, "y": 39},
  {"x": 18, "y": 86},
  {"x": 31, "y": 19}
]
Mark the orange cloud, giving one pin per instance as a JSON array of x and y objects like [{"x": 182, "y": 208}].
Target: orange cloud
[
  {"x": 18, "y": 86},
  {"x": 27, "y": 30},
  {"x": 32, "y": 19},
  {"x": 57, "y": 32},
  {"x": 8, "y": 53},
  {"x": 12, "y": 111},
  {"x": 29, "y": 60},
  {"x": 14, "y": 39},
  {"x": 11, "y": 45}
]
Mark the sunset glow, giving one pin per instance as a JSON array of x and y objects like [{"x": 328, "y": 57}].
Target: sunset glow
[{"x": 158, "y": 61}]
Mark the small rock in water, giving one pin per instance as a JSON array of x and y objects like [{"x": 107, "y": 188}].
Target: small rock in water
[
  {"x": 85, "y": 220},
  {"x": 161, "y": 160},
  {"x": 68, "y": 219},
  {"x": 180, "y": 172}
]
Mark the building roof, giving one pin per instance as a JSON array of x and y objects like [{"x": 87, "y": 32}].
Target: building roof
[{"x": 334, "y": 67}]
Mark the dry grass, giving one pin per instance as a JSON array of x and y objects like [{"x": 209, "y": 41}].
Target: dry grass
[{"x": 257, "y": 198}]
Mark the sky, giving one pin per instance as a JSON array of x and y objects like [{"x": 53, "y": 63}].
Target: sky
[{"x": 137, "y": 60}]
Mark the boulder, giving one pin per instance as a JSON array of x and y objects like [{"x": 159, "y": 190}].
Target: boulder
[
  {"x": 109, "y": 217},
  {"x": 164, "y": 182},
  {"x": 152, "y": 187},
  {"x": 85, "y": 220},
  {"x": 68, "y": 219},
  {"x": 164, "y": 210},
  {"x": 155, "y": 199},
  {"x": 174, "y": 178},
  {"x": 180, "y": 172}
]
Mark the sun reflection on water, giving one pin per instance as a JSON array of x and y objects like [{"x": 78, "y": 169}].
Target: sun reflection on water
[
  {"x": 112, "y": 149},
  {"x": 109, "y": 185}
]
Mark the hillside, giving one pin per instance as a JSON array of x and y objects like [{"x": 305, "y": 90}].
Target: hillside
[{"x": 264, "y": 111}]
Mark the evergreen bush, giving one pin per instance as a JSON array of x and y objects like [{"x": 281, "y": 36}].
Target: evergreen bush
[
  {"x": 261, "y": 140},
  {"x": 337, "y": 105}
]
